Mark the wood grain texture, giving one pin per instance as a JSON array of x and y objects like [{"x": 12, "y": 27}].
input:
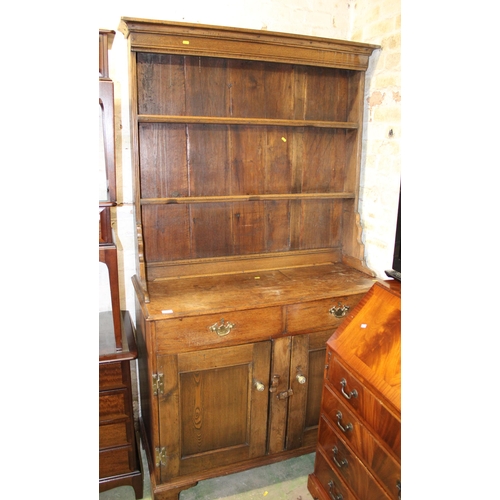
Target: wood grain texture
[
  {"x": 246, "y": 149},
  {"x": 360, "y": 425}
]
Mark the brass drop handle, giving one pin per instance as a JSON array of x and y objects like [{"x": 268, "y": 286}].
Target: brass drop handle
[
  {"x": 222, "y": 329},
  {"x": 352, "y": 394},
  {"x": 339, "y": 311},
  {"x": 398, "y": 486},
  {"x": 348, "y": 427},
  {"x": 342, "y": 463},
  {"x": 259, "y": 386},
  {"x": 331, "y": 486}
]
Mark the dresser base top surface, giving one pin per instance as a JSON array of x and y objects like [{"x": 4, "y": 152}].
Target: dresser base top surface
[{"x": 250, "y": 290}]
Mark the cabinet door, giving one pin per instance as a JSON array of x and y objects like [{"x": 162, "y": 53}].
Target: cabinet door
[
  {"x": 213, "y": 410},
  {"x": 307, "y": 368},
  {"x": 297, "y": 371}
]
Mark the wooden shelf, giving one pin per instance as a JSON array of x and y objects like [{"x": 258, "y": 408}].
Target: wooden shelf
[
  {"x": 226, "y": 120},
  {"x": 250, "y": 197}
]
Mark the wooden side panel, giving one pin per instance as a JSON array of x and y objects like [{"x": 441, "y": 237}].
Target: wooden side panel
[
  {"x": 351, "y": 237},
  {"x": 144, "y": 376},
  {"x": 169, "y": 419}
]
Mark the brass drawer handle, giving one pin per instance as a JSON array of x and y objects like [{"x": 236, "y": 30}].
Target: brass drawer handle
[
  {"x": 348, "y": 427},
  {"x": 352, "y": 394},
  {"x": 222, "y": 329},
  {"x": 339, "y": 311},
  {"x": 398, "y": 486},
  {"x": 342, "y": 463},
  {"x": 333, "y": 495}
]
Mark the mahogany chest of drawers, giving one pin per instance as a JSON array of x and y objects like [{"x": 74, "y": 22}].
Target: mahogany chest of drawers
[
  {"x": 359, "y": 443},
  {"x": 119, "y": 462}
]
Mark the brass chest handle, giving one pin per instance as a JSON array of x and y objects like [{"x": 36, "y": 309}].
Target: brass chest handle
[
  {"x": 333, "y": 495},
  {"x": 342, "y": 463},
  {"x": 348, "y": 427},
  {"x": 222, "y": 329},
  {"x": 352, "y": 394}
]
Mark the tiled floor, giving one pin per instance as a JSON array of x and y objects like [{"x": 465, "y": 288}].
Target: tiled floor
[{"x": 285, "y": 480}]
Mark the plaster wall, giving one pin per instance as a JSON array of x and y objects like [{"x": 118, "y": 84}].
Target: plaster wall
[
  {"x": 372, "y": 21},
  {"x": 379, "y": 22}
]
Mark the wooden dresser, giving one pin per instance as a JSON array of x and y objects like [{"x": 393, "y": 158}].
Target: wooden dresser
[
  {"x": 359, "y": 446},
  {"x": 246, "y": 147},
  {"x": 119, "y": 461}
]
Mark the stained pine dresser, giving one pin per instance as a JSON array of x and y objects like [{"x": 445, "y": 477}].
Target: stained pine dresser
[
  {"x": 358, "y": 455},
  {"x": 245, "y": 147}
]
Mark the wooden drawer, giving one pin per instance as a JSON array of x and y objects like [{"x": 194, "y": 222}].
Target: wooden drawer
[
  {"x": 116, "y": 461},
  {"x": 333, "y": 486},
  {"x": 315, "y": 315},
  {"x": 110, "y": 376},
  {"x": 346, "y": 424},
  {"x": 347, "y": 465},
  {"x": 183, "y": 334},
  {"x": 113, "y": 404},
  {"x": 114, "y": 434},
  {"x": 380, "y": 419}
]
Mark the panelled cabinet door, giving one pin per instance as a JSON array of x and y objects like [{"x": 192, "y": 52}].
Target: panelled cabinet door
[
  {"x": 297, "y": 371},
  {"x": 307, "y": 367},
  {"x": 214, "y": 406}
]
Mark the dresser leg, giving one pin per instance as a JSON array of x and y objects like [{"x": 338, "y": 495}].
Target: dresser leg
[{"x": 172, "y": 494}]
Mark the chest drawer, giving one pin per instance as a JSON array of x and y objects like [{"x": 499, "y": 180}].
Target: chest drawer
[
  {"x": 114, "y": 434},
  {"x": 319, "y": 314},
  {"x": 346, "y": 424},
  {"x": 360, "y": 400},
  {"x": 113, "y": 405},
  {"x": 347, "y": 465},
  {"x": 330, "y": 481},
  {"x": 110, "y": 376},
  {"x": 115, "y": 461},
  {"x": 232, "y": 328}
]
